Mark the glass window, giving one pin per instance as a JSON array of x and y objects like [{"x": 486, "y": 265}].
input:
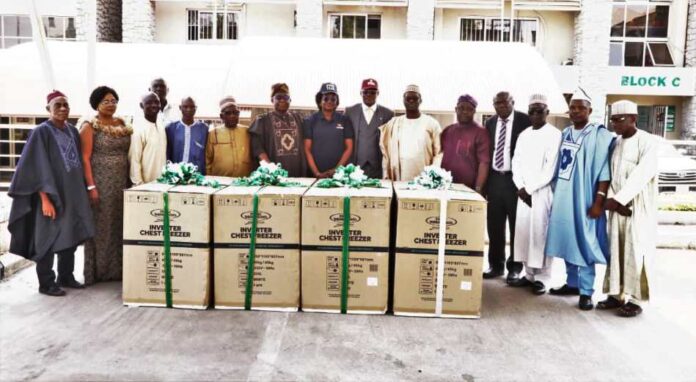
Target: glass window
[
  {"x": 659, "y": 54},
  {"x": 70, "y": 30},
  {"x": 492, "y": 29},
  {"x": 16, "y": 26},
  {"x": 192, "y": 25},
  {"x": 658, "y": 20},
  {"x": 635, "y": 20},
  {"x": 616, "y": 53},
  {"x": 335, "y": 26},
  {"x": 617, "y": 20},
  {"x": 633, "y": 54},
  {"x": 374, "y": 27},
  {"x": 472, "y": 30},
  {"x": 205, "y": 25},
  {"x": 220, "y": 26},
  {"x": 231, "y": 26},
  {"x": 355, "y": 26}
]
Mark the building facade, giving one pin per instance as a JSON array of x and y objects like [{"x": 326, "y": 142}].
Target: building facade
[{"x": 641, "y": 50}]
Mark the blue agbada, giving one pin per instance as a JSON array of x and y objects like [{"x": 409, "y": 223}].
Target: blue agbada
[
  {"x": 178, "y": 135},
  {"x": 583, "y": 162}
]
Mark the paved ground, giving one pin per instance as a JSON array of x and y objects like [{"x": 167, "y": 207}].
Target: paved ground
[{"x": 89, "y": 335}]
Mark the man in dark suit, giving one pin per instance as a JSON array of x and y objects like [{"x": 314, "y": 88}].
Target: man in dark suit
[
  {"x": 503, "y": 130},
  {"x": 367, "y": 117}
]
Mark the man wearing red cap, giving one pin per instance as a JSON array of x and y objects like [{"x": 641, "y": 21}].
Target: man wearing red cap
[
  {"x": 367, "y": 117},
  {"x": 50, "y": 209}
]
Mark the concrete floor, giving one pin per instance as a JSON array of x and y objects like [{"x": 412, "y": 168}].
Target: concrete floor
[{"x": 89, "y": 335}]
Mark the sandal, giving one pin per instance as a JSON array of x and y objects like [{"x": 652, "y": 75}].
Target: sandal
[
  {"x": 630, "y": 310},
  {"x": 610, "y": 303}
]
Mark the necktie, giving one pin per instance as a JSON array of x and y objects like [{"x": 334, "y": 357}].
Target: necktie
[{"x": 500, "y": 145}]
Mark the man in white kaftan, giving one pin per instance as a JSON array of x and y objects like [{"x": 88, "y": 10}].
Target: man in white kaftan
[
  {"x": 410, "y": 142},
  {"x": 533, "y": 169},
  {"x": 632, "y": 205}
]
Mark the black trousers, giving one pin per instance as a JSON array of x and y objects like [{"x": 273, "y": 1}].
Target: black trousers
[
  {"x": 502, "y": 208},
  {"x": 66, "y": 265}
]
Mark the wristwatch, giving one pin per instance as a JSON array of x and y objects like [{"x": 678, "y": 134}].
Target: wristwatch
[{"x": 90, "y": 188}]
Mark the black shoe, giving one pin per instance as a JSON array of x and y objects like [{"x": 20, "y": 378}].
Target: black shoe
[
  {"x": 74, "y": 284},
  {"x": 538, "y": 288},
  {"x": 512, "y": 277},
  {"x": 565, "y": 290},
  {"x": 52, "y": 290},
  {"x": 610, "y": 303},
  {"x": 585, "y": 302},
  {"x": 521, "y": 282},
  {"x": 491, "y": 274}
]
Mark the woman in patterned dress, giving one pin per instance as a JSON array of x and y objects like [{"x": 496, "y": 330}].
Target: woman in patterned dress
[{"x": 105, "y": 143}]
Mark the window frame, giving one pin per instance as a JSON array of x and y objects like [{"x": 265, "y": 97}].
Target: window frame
[
  {"x": 195, "y": 28},
  {"x": 488, "y": 21},
  {"x": 3, "y": 37},
  {"x": 645, "y": 40},
  {"x": 65, "y": 19},
  {"x": 341, "y": 15}
]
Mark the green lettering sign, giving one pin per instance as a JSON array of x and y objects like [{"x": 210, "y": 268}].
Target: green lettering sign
[{"x": 654, "y": 81}]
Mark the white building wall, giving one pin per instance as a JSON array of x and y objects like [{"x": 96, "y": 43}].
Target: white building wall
[
  {"x": 554, "y": 37},
  {"x": 45, "y": 7},
  {"x": 310, "y": 18},
  {"x": 420, "y": 23},
  {"x": 139, "y": 21},
  {"x": 393, "y": 19},
  {"x": 264, "y": 20}
]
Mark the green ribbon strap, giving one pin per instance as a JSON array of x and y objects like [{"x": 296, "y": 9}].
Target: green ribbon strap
[
  {"x": 345, "y": 254},
  {"x": 252, "y": 254},
  {"x": 167, "y": 254}
]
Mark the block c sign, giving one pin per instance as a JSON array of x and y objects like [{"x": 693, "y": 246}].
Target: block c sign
[{"x": 651, "y": 81}]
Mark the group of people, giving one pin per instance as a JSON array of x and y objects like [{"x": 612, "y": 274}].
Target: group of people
[{"x": 551, "y": 188}]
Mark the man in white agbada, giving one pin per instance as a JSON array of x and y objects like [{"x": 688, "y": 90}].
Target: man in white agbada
[
  {"x": 533, "y": 168},
  {"x": 409, "y": 142},
  {"x": 632, "y": 206}
]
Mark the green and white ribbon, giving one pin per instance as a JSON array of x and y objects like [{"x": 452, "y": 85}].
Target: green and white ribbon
[
  {"x": 248, "y": 291},
  {"x": 350, "y": 176},
  {"x": 167, "y": 253},
  {"x": 432, "y": 178},
  {"x": 184, "y": 173},
  {"x": 268, "y": 174}
]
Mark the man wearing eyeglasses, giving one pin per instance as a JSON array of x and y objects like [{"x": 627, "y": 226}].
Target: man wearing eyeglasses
[
  {"x": 228, "y": 151},
  {"x": 367, "y": 117},
  {"x": 533, "y": 168},
  {"x": 632, "y": 205},
  {"x": 277, "y": 136}
]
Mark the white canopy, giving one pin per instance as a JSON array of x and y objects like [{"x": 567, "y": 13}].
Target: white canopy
[{"x": 443, "y": 70}]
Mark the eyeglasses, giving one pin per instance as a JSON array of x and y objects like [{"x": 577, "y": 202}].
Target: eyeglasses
[
  {"x": 538, "y": 110},
  {"x": 329, "y": 98},
  {"x": 369, "y": 92},
  {"x": 281, "y": 97},
  {"x": 617, "y": 119},
  {"x": 109, "y": 102}
]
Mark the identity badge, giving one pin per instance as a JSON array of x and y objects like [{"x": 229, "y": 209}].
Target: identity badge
[{"x": 568, "y": 154}]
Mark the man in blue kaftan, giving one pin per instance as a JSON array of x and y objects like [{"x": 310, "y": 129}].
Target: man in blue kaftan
[{"x": 577, "y": 227}]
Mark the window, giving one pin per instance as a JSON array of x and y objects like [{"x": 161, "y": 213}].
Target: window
[
  {"x": 639, "y": 35},
  {"x": 210, "y": 25},
  {"x": 493, "y": 29},
  {"x": 14, "y": 30},
  {"x": 355, "y": 26},
  {"x": 60, "y": 28}
]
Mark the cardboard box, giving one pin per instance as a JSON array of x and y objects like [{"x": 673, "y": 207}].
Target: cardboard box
[
  {"x": 276, "y": 283},
  {"x": 143, "y": 249},
  {"x": 417, "y": 238},
  {"x": 322, "y": 229}
]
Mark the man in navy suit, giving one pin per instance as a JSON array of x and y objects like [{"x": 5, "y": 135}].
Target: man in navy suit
[
  {"x": 503, "y": 130},
  {"x": 367, "y": 117}
]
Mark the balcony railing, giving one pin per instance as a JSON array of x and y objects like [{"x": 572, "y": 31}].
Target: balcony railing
[{"x": 545, "y": 5}]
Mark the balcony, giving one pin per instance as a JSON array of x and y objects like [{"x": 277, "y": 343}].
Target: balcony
[
  {"x": 368, "y": 3},
  {"x": 537, "y": 5}
]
